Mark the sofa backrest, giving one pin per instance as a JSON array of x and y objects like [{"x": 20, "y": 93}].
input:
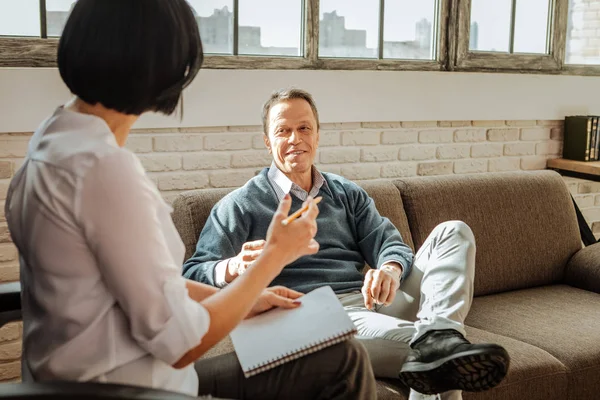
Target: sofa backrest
[
  {"x": 191, "y": 210},
  {"x": 524, "y": 223}
]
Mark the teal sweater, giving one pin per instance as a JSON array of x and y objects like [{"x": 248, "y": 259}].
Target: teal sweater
[{"x": 350, "y": 232}]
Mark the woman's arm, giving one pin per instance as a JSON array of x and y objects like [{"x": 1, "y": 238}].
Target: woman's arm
[
  {"x": 284, "y": 245},
  {"x": 199, "y": 291},
  {"x": 121, "y": 216}
]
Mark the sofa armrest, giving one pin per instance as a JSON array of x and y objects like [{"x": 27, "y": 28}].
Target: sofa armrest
[{"x": 583, "y": 269}]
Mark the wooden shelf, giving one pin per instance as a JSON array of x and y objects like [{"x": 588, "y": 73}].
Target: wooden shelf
[{"x": 582, "y": 167}]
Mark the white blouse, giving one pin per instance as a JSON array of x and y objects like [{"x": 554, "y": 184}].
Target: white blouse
[{"x": 103, "y": 296}]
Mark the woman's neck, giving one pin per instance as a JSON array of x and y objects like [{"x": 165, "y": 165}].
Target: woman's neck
[{"x": 120, "y": 124}]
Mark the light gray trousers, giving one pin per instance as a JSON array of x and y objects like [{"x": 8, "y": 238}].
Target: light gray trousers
[{"x": 436, "y": 295}]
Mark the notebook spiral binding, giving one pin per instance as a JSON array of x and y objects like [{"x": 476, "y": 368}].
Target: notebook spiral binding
[{"x": 301, "y": 352}]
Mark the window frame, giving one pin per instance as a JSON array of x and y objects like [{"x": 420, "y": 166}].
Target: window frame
[
  {"x": 452, "y": 49},
  {"x": 33, "y": 52},
  {"x": 466, "y": 59}
]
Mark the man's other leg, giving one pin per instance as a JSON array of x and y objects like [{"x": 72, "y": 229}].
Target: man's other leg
[
  {"x": 440, "y": 291},
  {"x": 342, "y": 371},
  {"x": 386, "y": 339}
]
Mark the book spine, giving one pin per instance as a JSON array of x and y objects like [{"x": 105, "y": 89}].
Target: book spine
[
  {"x": 593, "y": 155},
  {"x": 597, "y": 134},
  {"x": 588, "y": 138},
  {"x": 576, "y": 138}
]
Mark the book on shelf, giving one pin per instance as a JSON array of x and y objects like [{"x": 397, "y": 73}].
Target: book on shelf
[{"x": 582, "y": 138}]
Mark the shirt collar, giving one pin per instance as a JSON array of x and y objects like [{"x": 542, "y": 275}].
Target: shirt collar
[{"x": 283, "y": 185}]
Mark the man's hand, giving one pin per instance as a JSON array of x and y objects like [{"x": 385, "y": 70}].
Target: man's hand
[
  {"x": 380, "y": 285},
  {"x": 240, "y": 263},
  {"x": 276, "y": 296}
]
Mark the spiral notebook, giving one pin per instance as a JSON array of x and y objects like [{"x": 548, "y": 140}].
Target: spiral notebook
[{"x": 282, "y": 335}]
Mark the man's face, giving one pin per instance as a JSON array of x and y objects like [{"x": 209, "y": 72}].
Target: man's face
[{"x": 293, "y": 136}]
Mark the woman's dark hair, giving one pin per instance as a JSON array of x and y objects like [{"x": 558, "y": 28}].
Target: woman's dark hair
[{"x": 131, "y": 56}]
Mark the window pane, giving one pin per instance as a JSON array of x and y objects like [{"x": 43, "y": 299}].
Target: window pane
[
  {"x": 57, "y": 12},
  {"x": 583, "y": 32},
  {"x": 408, "y": 29},
  {"x": 531, "y": 26},
  {"x": 20, "y": 18},
  {"x": 349, "y": 28},
  {"x": 270, "y": 27},
  {"x": 490, "y": 25},
  {"x": 215, "y": 19}
]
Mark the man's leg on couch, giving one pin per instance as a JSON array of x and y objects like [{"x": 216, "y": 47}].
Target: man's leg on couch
[
  {"x": 386, "y": 339},
  {"x": 439, "y": 292},
  {"x": 342, "y": 371}
]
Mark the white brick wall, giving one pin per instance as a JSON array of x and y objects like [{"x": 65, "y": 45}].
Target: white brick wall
[{"x": 197, "y": 158}]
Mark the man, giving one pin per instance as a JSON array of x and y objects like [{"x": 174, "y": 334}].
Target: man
[{"x": 409, "y": 309}]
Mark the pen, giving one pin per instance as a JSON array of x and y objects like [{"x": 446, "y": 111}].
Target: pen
[{"x": 300, "y": 212}]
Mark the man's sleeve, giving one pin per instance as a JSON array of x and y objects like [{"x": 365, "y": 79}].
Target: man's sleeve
[
  {"x": 378, "y": 238},
  {"x": 222, "y": 237}
]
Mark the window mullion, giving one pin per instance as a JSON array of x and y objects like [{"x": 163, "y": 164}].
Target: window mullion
[
  {"x": 513, "y": 14},
  {"x": 311, "y": 32},
  {"x": 549, "y": 26},
  {"x": 43, "y": 20},
  {"x": 381, "y": 27},
  {"x": 236, "y": 23}
]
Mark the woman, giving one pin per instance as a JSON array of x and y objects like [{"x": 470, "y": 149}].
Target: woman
[{"x": 103, "y": 298}]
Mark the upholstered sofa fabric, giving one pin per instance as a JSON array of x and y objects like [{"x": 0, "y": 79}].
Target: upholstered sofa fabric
[
  {"x": 562, "y": 320},
  {"x": 524, "y": 223}
]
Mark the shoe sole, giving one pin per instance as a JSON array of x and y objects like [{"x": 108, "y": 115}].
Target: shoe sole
[{"x": 470, "y": 371}]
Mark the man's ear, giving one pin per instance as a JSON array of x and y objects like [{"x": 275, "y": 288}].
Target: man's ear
[{"x": 267, "y": 143}]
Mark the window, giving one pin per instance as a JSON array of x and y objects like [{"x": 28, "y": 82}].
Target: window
[
  {"x": 270, "y": 27},
  {"x": 410, "y": 29},
  {"x": 583, "y": 33},
  {"x": 349, "y": 28},
  {"x": 215, "y": 20},
  {"x": 20, "y": 18},
  {"x": 395, "y": 29},
  {"x": 250, "y": 27},
  {"x": 510, "y": 26},
  {"x": 57, "y": 13},
  {"x": 539, "y": 36},
  {"x": 509, "y": 34}
]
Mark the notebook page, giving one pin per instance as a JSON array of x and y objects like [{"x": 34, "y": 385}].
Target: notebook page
[{"x": 278, "y": 332}]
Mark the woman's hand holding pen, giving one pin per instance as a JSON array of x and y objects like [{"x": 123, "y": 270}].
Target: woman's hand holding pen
[{"x": 291, "y": 241}]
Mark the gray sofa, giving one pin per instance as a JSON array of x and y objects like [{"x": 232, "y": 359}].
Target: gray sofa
[{"x": 536, "y": 288}]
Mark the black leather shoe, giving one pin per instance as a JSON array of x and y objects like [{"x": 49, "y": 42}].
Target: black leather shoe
[{"x": 444, "y": 360}]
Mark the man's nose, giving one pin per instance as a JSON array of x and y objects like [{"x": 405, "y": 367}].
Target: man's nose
[{"x": 294, "y": 137}]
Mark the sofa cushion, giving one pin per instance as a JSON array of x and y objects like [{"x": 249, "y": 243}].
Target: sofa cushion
[
  {"x": 560, "y": 319},
  {"x": 524, "y": 223},
  {"x": 534, "y": 374}
]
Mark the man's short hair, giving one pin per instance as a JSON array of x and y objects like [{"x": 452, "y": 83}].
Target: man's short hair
[
  {"x": 283, "y": 95},
  {"x": 131, "y": 56}
]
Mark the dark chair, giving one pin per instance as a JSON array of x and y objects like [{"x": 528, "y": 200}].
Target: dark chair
[{"x": 10, "y": 310}]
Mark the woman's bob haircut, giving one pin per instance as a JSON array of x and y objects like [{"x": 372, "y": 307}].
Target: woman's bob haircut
[{"x": 131, "y": 56}]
